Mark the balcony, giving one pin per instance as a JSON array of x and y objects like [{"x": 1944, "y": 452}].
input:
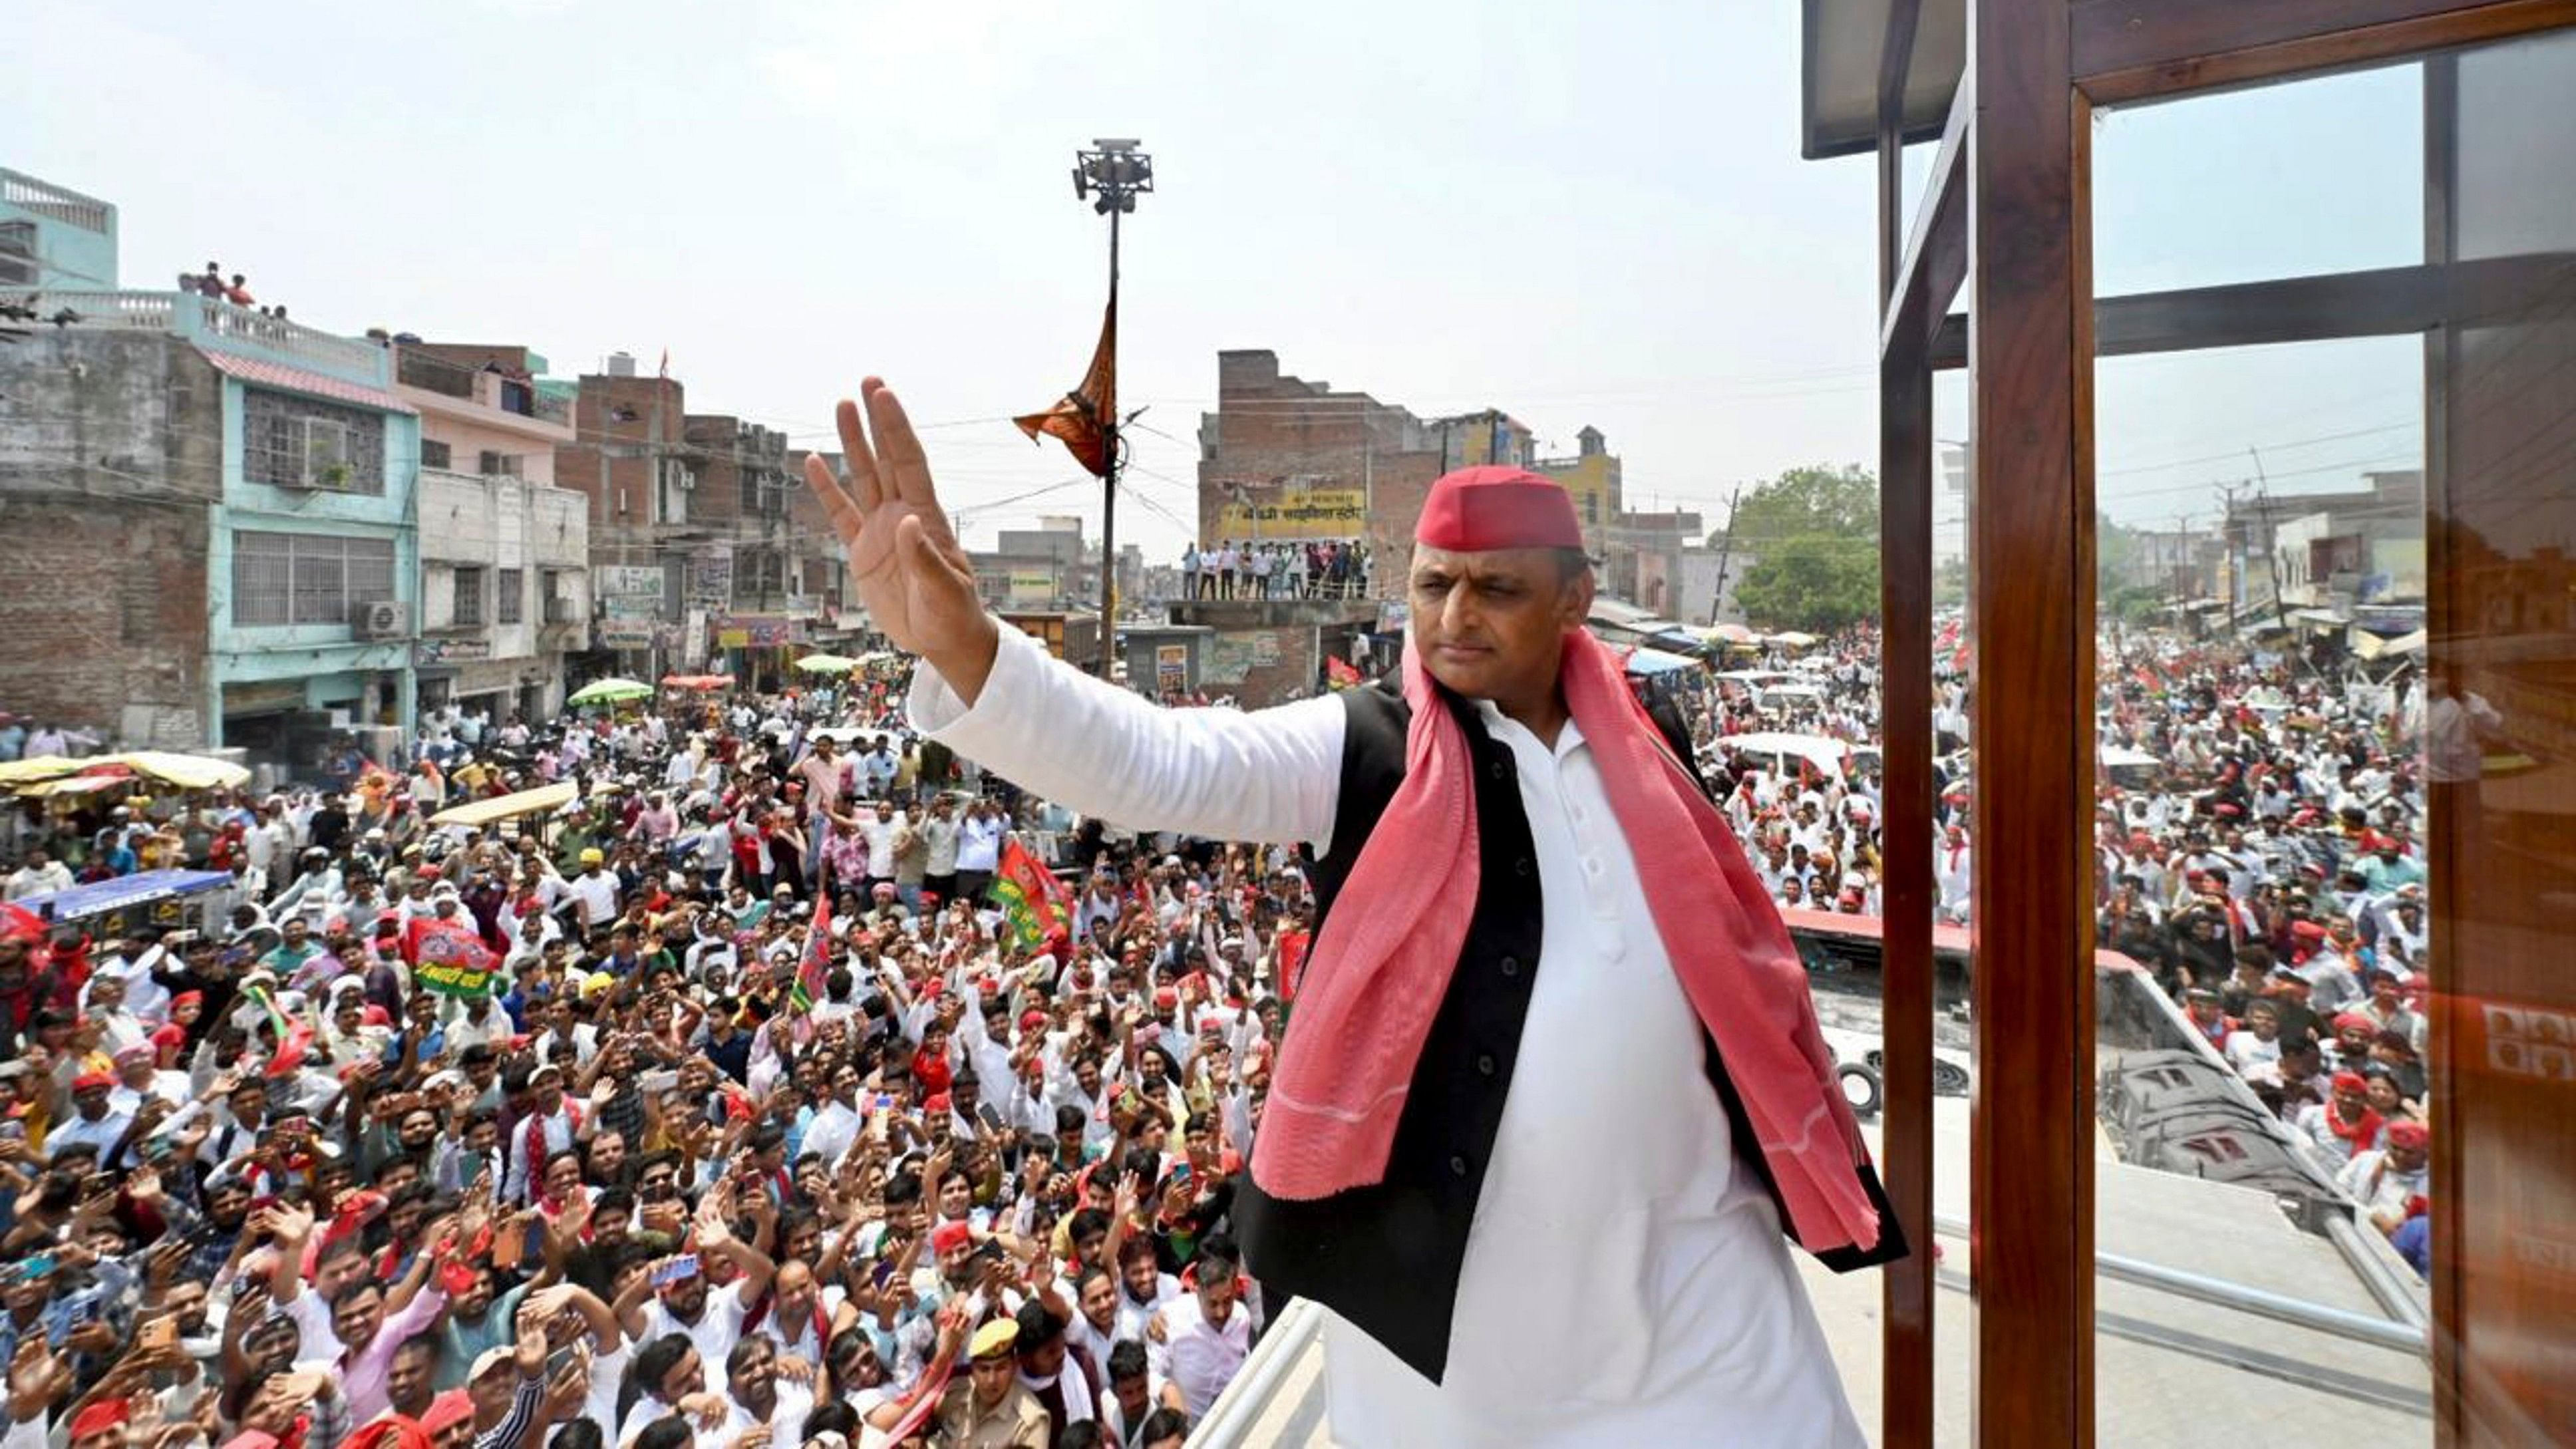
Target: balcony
[
  {"x": 483, "y": 388},
  {"x": 223, "y": 327}
]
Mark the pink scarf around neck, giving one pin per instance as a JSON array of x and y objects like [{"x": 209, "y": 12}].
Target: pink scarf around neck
[{"x": 1383, "y": 960}]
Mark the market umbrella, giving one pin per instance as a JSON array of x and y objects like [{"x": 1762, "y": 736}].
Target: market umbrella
[
  {"x": 507, "y": 807},
  {"x": 1656, "y": 661},
  {"x": 1794, "y": 639},
  {"x": 707, "y": 682},
  {"x": 826, "y": 664},
  {"x": 610, "y": 691},
  {"x": 1731, "y": 634}
]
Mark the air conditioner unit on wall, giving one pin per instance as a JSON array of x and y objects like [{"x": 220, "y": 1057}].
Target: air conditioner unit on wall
[{"x": 380, "y": 619}]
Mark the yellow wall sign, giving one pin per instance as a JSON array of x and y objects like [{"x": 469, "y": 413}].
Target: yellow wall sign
[{"x": 1294, "y": 513}]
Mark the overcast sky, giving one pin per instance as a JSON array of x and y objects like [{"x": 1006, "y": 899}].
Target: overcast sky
[{"x": 1580, "y": 214}]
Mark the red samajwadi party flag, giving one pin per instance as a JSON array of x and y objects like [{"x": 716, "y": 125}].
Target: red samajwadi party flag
[
  {"x": 815, "y": 962},
  {"x": 448, "y": 957},
  {"x": 1035, "y": 905}
]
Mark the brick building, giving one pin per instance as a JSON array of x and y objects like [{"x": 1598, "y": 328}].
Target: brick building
[
  {"x": 111, "y": 462},
  {"x": 1284, "y": 458}
]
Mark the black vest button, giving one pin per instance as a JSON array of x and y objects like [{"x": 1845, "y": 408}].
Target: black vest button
[
  {"x": 1521, "y": 867},
  {"x": 1502, "y": 771},
  {"x": 1485, "y": 1063},
  {"x": 1511, "y": 966},
  {"x": 1458, "y": 1166}
]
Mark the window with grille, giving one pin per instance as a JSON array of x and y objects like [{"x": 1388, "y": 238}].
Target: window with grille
[
  {"x": 296, "y": 578},
  {"x": 290, "y": 441},
  {"x": 508, "y": 602},
  {"x": 469, "y": 597},
  {"x": 434, "y": 454}
]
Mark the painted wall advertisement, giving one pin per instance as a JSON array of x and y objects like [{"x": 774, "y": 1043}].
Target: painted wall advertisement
[{"x": 1289, "y": 508}]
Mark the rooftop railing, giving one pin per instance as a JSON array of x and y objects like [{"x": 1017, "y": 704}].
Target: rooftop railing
[
  {"x": 46, "y": 199},
  {"x": 219, "y": 324}
]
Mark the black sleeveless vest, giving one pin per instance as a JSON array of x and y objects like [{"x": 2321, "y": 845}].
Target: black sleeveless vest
[{"x": 1387, "y": 1256}]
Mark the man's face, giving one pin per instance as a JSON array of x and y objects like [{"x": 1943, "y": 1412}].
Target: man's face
[
  {"x": 186, "y": 1302},
  {"x": 91, "y": 1102},
  {"x": 1140, "y": 1275},
  {"x": 1216, "y": 1289},
  {"x": 407, "y": 1381},
  {"x": 1131, "y": 1392},
  {"x": 993, "y": 1377},
  {"x": 757, "y": 1376},
  {"x": 1492, "y": 624},
  {"x": 1100, "y": 1302}
]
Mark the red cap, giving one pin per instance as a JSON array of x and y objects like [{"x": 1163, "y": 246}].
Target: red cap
[
  {"x": 2308, "y": 931},
  {"x": 98, "y": 1418},
  {"x": 1032, "y": 1019},
  {"x": 1475, "y": 509},
  {"x": 937, "y": 1103},
  {"x": 2409, "y": 1134},
  {"x": 2350, "y": 1082},
  {"x": 949, "y": 1237},
  {"x": 187, "y": 998},
  {"x": 88, "y": 1080},
  {"x": 1166, "y": 998},
  {"x": 2355, "y": 1021},
  {"x": 453, "y": 1407}
]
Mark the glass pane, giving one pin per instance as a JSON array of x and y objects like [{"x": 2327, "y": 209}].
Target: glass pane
[
  {"x": 2247, "y": 758},
  {"x": 2279, "y": 181},
  {"x": 2338, "y": 712},
  {"x": 2498, "y": 723}
]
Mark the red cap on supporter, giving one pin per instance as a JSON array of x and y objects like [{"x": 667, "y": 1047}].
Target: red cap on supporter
[
  {"x": 453, "y": 1407},
  {"x": 88, "y": 1080},
  {"x": 1032, "y": 1019},
  {"x": 98, "y": 1418},
  {"x": 2409, "y": 1134},
  {"x": 1475, "y": 509},
  {"x": 2350, "y": 1082},
  {"x": 937, "y": 1103},
  {"x": 949, "y": 1237}
]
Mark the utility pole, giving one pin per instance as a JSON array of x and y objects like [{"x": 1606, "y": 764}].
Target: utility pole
[
  {"x": 1114, "y": 173},
  {"x": 1725, "y": 549},
  {"x": 2272, "y": 553}
]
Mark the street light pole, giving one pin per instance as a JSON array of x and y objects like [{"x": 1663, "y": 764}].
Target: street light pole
[{"x": 1113, "y": 174}]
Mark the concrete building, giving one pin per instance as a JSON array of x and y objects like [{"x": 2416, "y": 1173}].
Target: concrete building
[
  {"x": 1639, "y": 558},
  {"x": 51, "y": 236},
  {"x": 628, "y": 460},
  {"x": 211, "y": 539},
  {"x": 1592, "y": 476},
  {"x": 505, "y": 554}
]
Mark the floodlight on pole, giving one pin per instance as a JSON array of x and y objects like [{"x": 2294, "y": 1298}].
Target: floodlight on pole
[{"x": 1112, "y": 174}]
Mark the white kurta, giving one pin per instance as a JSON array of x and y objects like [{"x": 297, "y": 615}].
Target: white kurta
[{"x": 1623, "y": 1283}]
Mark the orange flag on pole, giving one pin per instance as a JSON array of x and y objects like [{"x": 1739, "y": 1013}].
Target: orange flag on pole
[{"x": 1083, "y": 418}]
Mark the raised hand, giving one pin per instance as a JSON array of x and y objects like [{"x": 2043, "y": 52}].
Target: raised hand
[{"x": 904, "y": 558}]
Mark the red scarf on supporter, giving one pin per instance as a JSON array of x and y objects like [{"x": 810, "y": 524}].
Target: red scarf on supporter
[{"x": 1383, "y": 960}]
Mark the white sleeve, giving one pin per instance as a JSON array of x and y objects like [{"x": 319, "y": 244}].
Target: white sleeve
[{"x": 1272, "y": 775}]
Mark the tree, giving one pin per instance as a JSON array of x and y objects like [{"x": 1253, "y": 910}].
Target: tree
[{"x": 1813, "y": 535}]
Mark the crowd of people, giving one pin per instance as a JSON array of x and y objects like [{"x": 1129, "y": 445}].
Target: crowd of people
[
  {"x": 2259, "y": 849},
  {"x": 729, "y": 1105},
  {"x": 1228, "y": 569},
  {"x": 755, "y": 1098}
]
